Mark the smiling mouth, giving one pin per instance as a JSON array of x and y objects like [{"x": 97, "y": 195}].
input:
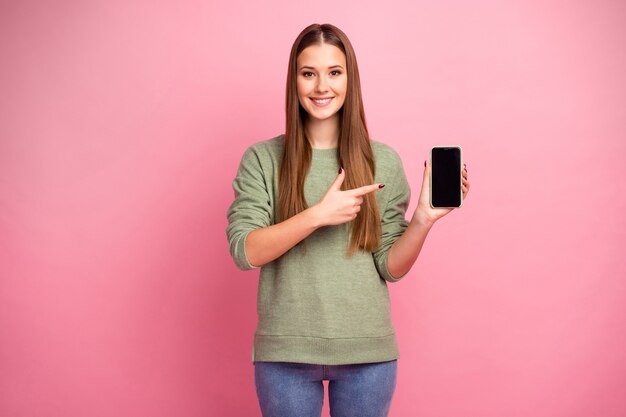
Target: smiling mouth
[{"x": 321, "y": 101}]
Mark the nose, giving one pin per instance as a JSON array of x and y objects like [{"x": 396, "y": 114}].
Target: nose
[{"x": 321, "y": 85}]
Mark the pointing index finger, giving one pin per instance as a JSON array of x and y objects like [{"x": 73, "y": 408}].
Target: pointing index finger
[{"x": 366, "y": 189}]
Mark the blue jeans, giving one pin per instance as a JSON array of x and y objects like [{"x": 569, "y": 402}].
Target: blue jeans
[{"x": 289, "y": 389}]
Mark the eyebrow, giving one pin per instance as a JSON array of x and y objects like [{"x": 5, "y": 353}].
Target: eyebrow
[{"x": 309, "y": 67}]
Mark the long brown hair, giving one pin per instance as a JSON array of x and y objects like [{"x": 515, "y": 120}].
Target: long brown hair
[{"x": 354, "y": 149}]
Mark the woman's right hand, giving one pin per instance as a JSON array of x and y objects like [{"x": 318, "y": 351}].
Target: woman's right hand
[{"x": 337, "y": 206}]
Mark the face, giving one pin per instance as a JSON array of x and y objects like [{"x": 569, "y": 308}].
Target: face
[{"x": 322, "y": 75}]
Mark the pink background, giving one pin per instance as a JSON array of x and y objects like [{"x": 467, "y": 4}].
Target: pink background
[{"x": 121, "y": 128}]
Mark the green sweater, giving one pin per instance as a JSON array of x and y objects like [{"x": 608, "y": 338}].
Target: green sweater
[{"x": 317, "y": 305}]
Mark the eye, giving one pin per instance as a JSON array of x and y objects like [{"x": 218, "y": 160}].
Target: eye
[
  {"x": 337, "y": 71},
  {"x": 306, "y": 72}
]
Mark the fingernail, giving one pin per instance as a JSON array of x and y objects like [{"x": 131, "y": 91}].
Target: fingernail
[
  {"x": 424, "y": 162},
  {"x": 340, "y": 170},
  {"x": 381, "y": 185}
]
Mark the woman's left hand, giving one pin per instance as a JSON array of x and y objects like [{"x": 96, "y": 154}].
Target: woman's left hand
[{"x": 424, "y": 212}]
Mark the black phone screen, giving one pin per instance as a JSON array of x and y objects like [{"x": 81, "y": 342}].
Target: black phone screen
[{"x": 446, "y": 176}]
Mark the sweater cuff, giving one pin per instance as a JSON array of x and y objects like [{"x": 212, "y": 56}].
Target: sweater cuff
[
  {"x": 240, "y": 254},
  {"x": 385, "y": 271}
]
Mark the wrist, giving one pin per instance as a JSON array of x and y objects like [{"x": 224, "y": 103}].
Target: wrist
[
  {"x": 313, "y": 217},
  {"x": 422, "y": 219}
]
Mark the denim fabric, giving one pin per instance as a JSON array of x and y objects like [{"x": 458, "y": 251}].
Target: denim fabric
[{"x": 289, "y": 389}]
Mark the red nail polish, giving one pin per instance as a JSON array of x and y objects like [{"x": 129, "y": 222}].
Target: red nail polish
[
  {"x": 339, "y": 170},
  {"x": 381, "y": 185}
]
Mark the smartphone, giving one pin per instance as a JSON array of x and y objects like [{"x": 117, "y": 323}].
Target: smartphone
[{"x": 446, "y": 177}]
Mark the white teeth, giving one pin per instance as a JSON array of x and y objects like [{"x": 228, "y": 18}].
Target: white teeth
[{"x": 322, "y": 101}]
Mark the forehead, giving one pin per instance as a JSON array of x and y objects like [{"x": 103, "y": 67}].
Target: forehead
[{"x": 324, "y": 55}]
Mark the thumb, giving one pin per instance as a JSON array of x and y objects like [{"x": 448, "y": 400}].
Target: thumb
[
  {"x": 336, "y": 185},
  {"x": 426, "y": 178}
]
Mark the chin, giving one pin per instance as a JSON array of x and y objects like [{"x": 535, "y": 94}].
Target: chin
[{"x": 329, "y": 112}]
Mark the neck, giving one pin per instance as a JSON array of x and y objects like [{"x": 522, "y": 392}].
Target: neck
[{"x": 323, "y": 134}]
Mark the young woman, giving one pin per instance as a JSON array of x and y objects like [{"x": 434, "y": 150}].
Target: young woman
[{"x": 311, "y": 212}]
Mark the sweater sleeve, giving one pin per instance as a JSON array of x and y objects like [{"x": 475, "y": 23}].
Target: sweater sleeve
[
  {"x": 250, "y": 210},
  {"x": 393, "y": 221}
]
